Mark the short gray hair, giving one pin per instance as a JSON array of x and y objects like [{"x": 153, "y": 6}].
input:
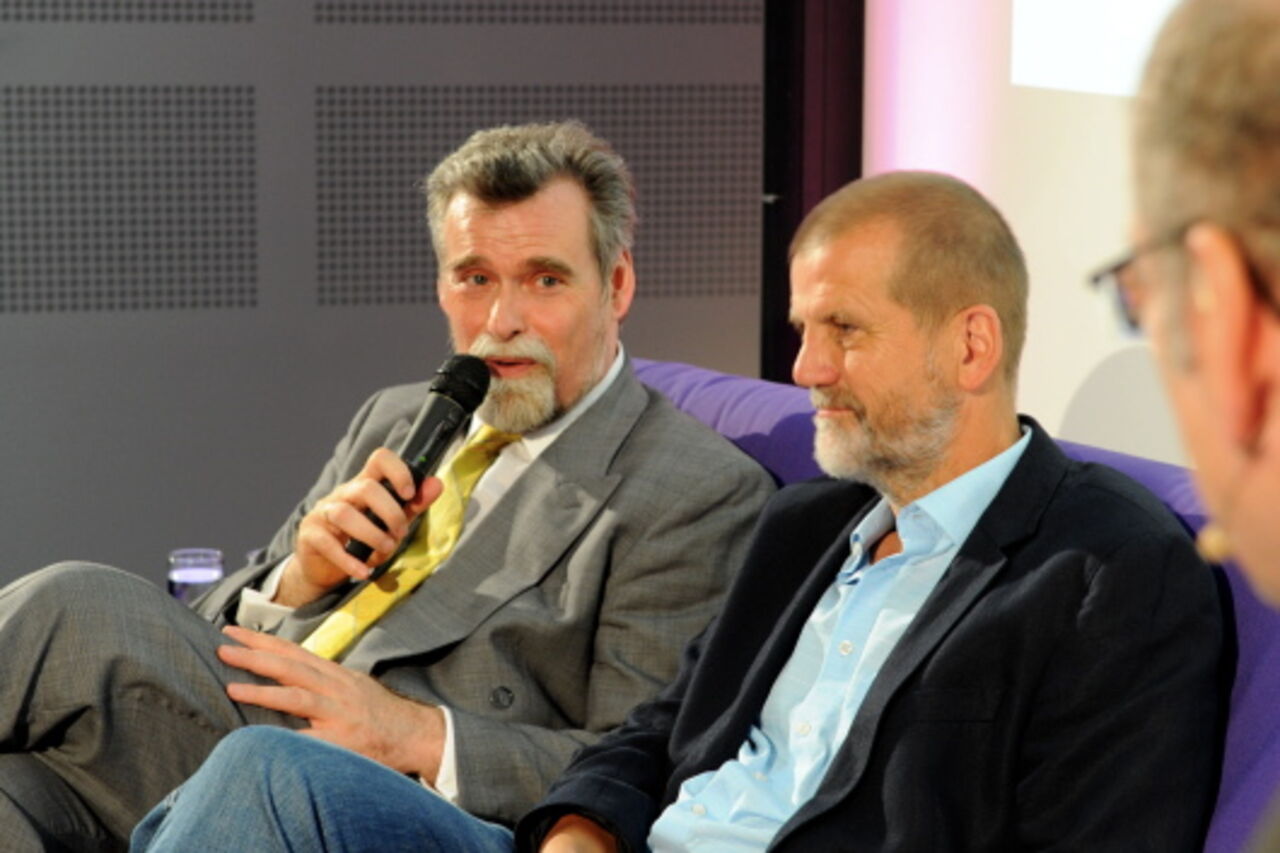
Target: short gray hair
[
  {"x": 508, "y": 164},
  {"x": 1207, "y": 125}
]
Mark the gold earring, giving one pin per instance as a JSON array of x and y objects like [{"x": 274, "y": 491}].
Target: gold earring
[{"x": 1213, "y": 543}]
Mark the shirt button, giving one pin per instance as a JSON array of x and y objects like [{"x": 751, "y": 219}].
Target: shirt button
[
  {"x": 803, "y": 729},
  {"x": 699, "y": 809},
  {"x": 846, "y": 647},
  {"x": 760, "y": 777}
]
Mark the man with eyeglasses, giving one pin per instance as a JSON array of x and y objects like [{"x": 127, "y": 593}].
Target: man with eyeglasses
[
  {"x": 1203, "y": 282},
  {"x": 1204, "y": 276}
]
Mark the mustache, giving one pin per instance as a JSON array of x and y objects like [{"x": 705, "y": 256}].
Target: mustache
[
  {"x": 534, "y": 349},
  {"x": 828, "y": 399}
]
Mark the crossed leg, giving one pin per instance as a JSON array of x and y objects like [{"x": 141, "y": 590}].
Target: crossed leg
[{"x": 111, "y": 695}]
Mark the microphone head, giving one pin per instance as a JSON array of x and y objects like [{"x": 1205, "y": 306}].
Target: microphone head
[{"x": 463, "y": 379}]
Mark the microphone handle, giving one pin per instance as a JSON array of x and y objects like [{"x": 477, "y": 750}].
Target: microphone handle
[
  {"x": 439, "y": 421},
  {"x": 363, "y": 552},
  {"x": 458, "y": 388}
]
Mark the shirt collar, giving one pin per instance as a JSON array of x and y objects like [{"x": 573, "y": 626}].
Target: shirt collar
[
  {"x": 943, "y": 518},
  {"x": 533, "y": 443},
  {"x": 956, "y": 506},
  {"x": 874, "y": 525}
]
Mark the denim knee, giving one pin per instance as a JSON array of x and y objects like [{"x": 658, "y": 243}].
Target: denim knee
[{"x": 264, "y": 747}]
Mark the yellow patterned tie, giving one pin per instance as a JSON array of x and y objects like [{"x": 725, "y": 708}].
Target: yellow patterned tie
[{"x": 434, "y": 541}]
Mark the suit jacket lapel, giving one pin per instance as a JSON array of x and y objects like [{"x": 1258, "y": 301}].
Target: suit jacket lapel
[
  {"x": 519, "y": 541},
  {"x": 1013, "y": 516}
]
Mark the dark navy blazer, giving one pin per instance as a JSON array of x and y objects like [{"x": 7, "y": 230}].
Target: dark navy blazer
[{"x": 1059, "y": 689}]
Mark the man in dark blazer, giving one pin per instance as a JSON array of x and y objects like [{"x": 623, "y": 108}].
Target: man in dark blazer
[
  {"x": 962, "y": 642},
  {"x": 596, "y": 545}
]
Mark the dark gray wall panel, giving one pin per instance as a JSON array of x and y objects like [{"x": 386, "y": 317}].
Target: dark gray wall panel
[
  {"x": 128, "y": 11},
  {"x": 169, "y": 375},
  {"x": 694, "y": 151},
  {"x": 557, "y": 12},
  {"x": 127, "y": 198}
]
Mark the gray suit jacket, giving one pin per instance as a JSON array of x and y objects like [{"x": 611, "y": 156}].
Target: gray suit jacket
[{"x": 570, "y": 602}]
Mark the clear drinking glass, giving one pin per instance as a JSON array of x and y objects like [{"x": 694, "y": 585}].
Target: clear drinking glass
[{"x": 192, "y": 571}]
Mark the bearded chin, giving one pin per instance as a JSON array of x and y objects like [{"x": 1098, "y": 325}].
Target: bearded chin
[
  {"x": 843, "y": 455},
  {"x": 519, "y": 405},
  {"x": 892, "y": 461}
]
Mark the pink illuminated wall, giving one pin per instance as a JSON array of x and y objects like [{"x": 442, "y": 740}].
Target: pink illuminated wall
[
  {"x": 933, "y": 70},
  {"x": 1053, "y": 156}
]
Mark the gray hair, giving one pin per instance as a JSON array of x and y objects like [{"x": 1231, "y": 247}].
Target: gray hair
[
  {"x": 957, "y": 250},
  {"x": 1207, "y": 126},
  {"x": 508, "y": 164}
]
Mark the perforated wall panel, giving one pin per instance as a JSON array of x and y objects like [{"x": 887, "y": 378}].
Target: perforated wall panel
[
  {"x": 128, "y": 11},
  {"x": 571, "y": 12},
  {"x": 120, "y": 198},
  {"x": 694, "y": 150}
]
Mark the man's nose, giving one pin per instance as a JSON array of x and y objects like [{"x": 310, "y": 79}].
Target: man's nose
[
  {"x": 506, "y": 314},
  {"x": 815, "y": 365}
]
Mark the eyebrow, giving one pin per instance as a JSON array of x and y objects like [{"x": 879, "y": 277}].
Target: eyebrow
[
  {"x": 839, "y": 316},
  {"x": 541, "y": 262},
  {"x": 552, "y": 265},
  {"x": 466, "y": 261}
]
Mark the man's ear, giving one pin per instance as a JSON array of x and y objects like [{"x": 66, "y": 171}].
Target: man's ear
[
  {"x": 979, "y": 340},
  {"x": 622, "y": 285},
  {"x": 1233, "y": 331}
]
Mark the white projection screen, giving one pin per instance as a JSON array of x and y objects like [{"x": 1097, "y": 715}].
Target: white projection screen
[{"x": 1029, "y": 101}]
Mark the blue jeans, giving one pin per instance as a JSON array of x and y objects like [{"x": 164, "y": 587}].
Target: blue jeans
[{"x": 265, "y": 788}]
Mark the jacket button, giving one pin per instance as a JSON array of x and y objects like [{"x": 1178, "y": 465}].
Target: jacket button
[{"x": 501, "y": 697}]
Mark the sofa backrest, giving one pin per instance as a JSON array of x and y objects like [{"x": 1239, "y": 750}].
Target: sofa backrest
[{"x": 772, "y": 423}]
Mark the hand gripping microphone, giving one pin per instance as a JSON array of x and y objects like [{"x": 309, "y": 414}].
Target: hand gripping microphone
[{"x": 455, "y": 392}]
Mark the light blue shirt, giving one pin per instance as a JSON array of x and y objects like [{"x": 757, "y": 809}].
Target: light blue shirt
[{"x": 741, "y": 805}]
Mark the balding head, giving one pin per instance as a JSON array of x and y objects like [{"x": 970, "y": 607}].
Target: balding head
[{"x": 956, "y": 250}]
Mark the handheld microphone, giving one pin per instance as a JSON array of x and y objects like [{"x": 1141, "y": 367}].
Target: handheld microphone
[{"x": 457, "y": 389}]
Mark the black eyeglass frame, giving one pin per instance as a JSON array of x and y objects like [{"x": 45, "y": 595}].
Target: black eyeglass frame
[{"x": 1110, "y": 274}]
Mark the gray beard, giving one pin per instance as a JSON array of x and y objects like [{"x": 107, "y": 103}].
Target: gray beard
[
  {"x": 894, "y": 460},
  {"x": 520, "y": 405}
]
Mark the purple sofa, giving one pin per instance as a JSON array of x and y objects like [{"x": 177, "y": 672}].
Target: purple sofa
[{"x": 772, "y": 423}]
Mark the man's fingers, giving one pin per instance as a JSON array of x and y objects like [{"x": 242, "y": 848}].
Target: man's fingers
[
  {"x": 264, "y": 664},
  {"x": 345, "y": 515},
  {"x": 324, "y": 544},
  {"x": 352, "y": 522},
  {"x": 271, "y": 657},
  {"x": 383, "y": 464},
  {"x": 431, "y": 489},
  {"x": 287, "y": 700}
]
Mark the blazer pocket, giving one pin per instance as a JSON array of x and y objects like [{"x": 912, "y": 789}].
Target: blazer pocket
[{"x": 952, "y": 704}]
